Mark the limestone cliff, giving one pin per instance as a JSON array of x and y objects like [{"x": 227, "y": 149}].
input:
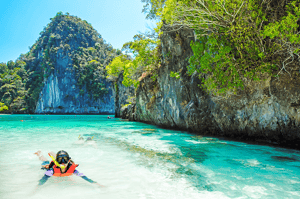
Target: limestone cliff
[
  {"x": 266, "y": 111},
  {"x": 122, "y": 95},
  {"x": 61, "y": 95},
  {"x": 67, "y": 69}
]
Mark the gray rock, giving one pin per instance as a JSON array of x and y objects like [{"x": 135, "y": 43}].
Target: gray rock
[
  {"x": 266, "y": 111},
  {"x": 60, "y": 94},
  {"x": 121, "y": 95}
]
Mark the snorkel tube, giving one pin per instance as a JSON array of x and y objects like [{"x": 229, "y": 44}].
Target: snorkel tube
[{"x": 55, "y": 162}]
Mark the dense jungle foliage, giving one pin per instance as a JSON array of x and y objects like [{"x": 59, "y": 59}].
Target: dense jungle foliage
[
  {"x": 13, "y": 78},
  {"x": 144, "y": 62},
  {"x": 65, "y": 36},
  {"x": 236, "y": 40}
]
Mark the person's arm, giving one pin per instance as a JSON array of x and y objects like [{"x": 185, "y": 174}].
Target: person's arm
[
  {"x": 43, "y": 180},
  {"x": 76, "y": 172},
  {"x": 47, "y": 175}
]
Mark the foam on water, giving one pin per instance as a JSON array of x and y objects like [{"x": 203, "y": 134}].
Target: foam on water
[
  {"x": 135, "y": 160},
  {"x": 196, "y": 142}
]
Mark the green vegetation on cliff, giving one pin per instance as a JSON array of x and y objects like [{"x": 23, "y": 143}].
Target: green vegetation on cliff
[
  {"x": 237, "y": 41},
  {"x": 65, "y": 36},
  {"x": 145, "y": 62},
  {"x": 13, "y": 78}
]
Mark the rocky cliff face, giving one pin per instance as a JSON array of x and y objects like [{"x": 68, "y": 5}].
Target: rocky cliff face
[
  {"x": 122, "y": 95},
  {"x": 67, "y": 69},
  {"x": 60, "y": 94},
  {"x": 266, "y": 111}
]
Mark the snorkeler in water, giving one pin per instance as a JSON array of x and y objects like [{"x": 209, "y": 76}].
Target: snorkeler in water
[
  {"x": 80, "y": 137},
  {"x": 87, "y": 139},
  {"x": 60, "y": 166}
]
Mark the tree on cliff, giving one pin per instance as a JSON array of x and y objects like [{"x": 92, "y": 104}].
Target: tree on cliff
[
  {"x": 145, "y": 61},
  {"x": 12, "y": 86},
  {"x": 152, "y": 7},
  {"x": 68, "y": 36},
  {"x": 236, "y": 40}
]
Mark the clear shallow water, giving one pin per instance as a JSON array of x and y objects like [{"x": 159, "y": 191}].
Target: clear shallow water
[{"x": 136, "y": 160}]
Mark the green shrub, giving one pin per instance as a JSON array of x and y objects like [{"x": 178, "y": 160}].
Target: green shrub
[{"x": 237, "y": 41}]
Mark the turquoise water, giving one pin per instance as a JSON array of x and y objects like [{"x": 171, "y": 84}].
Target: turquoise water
[{"x": 136, "y": 160}]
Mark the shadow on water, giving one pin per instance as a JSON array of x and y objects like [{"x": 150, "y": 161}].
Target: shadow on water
[
  {"x": 284, "y": 158},
  {"x": 197, "y": 152},
  {"x": 286, "y": 150},
  {"x": 180, "y": 162},
  {"x": 186, "y": 157}
]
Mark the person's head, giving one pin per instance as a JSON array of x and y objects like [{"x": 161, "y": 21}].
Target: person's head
[{"x": 63, "y": 158}]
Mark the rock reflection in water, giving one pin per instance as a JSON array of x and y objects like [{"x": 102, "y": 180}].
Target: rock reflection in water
[{"x": 284, "y": 158}]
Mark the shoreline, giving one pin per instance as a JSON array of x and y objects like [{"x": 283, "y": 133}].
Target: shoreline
[
  {"x": 245, "y": 139},
  {"x": 248, "y": 140},
  {"x": 57, "y": 114}
]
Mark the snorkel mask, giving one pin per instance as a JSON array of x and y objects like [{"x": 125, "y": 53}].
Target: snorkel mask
[
  {"x": 60, "y": 159},
  {"x": 55, "y": 162}
]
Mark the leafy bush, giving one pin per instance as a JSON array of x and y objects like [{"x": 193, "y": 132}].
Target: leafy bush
[
  {"x": 12, "y": 86},
  {"x": 145, "y": 59},
  {"x": 3, "y": 107},
  {"x": 236, "y": 41}
]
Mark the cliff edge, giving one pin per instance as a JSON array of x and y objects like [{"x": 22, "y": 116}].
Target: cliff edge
[{"x": 266, "y": 111}]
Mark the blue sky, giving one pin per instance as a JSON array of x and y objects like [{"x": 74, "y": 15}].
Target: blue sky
[{"x": 21, "y": 21}]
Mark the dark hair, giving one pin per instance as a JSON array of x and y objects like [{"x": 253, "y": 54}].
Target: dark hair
[{"x": 62, "y": 152}]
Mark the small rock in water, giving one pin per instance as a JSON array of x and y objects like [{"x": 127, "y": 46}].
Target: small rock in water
[
  {"x": 197, "y": 137},
  {"x": 283, "y": 158},
  {"x": 148, "y": 130},
  {"x": 143, "y": 132}
]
